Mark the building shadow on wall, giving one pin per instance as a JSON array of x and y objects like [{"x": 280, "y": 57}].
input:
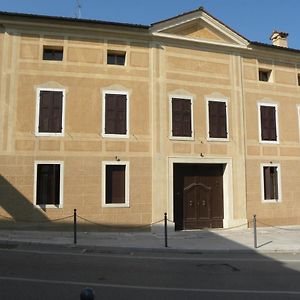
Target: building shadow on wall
[
  {"x": 18, "y": 213},
  {"x": 17, "y": 208}
]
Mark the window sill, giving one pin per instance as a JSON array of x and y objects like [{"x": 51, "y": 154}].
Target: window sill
[
  {"x": 271, "y": 201},
  {"x": 265, "y": 82},
  {"x": 115, "y": 205},
  {"x": 181, "y": 138},
  {"x": 115, "y": 136},
  {"x": 50, "y": 134},
  {"x": 44, "y": 206},
  {"x": 209, "y": 139},
  {"x": 52, "y": 60},
  {"x": 116, "y": 66},
  {"x": 269, "y": 142}
]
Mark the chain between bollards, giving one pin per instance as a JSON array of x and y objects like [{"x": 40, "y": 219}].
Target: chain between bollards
[
  {"x": 75, "y": 226},
  {"x": 166, "y": 230},
  {"x": 254, "y": 231}
]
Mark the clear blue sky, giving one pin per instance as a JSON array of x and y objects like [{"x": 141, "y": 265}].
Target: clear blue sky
[{"x": 254, "y": 19}]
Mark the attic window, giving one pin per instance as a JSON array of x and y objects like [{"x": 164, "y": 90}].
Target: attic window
[
  {"x": 53, "y": 53},
  {"x": 116, "y": 57},
  {"x": 264, "y": 75}
]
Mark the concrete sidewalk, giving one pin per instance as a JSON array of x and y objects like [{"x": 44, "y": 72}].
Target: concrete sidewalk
[{"x": 283, "y": 239}]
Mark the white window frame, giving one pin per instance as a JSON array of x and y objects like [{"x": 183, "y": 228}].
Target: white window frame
[
  {"x": 208, "y": 99},
  {"x": 122, "y": 136},
  {"x": 181, "y": 138},
  {"x": 259, "y": 104},
  {"x": 108, "y": 163},
  {"x": 37, "y": 115},
  {"x": 262, "y": 185},
  {"x": 61, "y": 183}
]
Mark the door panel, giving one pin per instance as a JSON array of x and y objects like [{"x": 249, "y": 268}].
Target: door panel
[{"x": 198, "y": 196}]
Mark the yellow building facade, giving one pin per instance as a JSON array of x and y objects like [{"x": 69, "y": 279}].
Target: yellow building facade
[{"x": 126, "y": 122}]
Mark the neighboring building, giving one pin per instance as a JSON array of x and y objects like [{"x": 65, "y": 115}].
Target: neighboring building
[{"x": 125, "y": 122}]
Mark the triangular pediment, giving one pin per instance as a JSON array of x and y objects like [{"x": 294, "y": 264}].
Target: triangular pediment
[{"x": 199, "y": 26}]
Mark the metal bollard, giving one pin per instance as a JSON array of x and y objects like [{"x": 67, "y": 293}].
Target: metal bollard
[
  {"x": 75, "y": 226},
  {"x": 87, "y": 294},
  {"x": 254, "y": 231},
  {"x": 166, "y": 230}
]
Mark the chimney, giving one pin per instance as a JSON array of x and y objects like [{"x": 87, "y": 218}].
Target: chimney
[{"x": 279, "y": 38}]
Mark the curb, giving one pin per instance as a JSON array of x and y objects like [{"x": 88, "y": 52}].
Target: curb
[{"x": 95, "y": 249}]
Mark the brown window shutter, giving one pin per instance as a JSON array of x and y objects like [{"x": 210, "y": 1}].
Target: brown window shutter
[
  {"x": 50, "y": 115},
  {"x": 45, "y": 111},
  {"x": 121, "y": 114},
  {"x": 217, "y": 119},
  {"x": 181, "y": 117},
  {"x": 115, "y": 114},
  {"x": 57, "y": 111},
  {"x": 48, "y": 184},
  {"x": 268, "y": 123},
  {"x": 110, "y": 108},
  {"x": 56, "y": 199},
  {"x": 267, "y": 183},
  {"x": 115, "y": 184}
]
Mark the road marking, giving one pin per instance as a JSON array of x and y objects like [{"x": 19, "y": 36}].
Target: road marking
[{"x": 137, "y": 287}]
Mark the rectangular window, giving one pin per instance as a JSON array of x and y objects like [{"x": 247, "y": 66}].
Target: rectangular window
[
  {"x": 270, "y": 183},
  {"x": 115, "y": 114},
  {"x": 298, "y": 79},
  {"x": 48, "y": 183},
  {"x": 264, "y": 75},
  {"x": 115, "y": 184},
  {"x": 116, "y": 57},
  {"x": 50, "y": 112},
  {"x": 53, "y": 53},
  {"x": 217, "y": 119},
  {"x": 268, "y": 123},
  {"x": 181, "y": 116}
]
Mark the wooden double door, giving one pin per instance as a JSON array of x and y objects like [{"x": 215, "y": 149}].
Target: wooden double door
[{"x": 198, "y": 196}]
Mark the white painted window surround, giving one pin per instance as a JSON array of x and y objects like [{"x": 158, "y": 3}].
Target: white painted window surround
[
  {"x": 61, "y": 183},
  {"x": 115, "y": 92},
  {"x": 225, "y": 100},
  {"x": 262, "y": 183},
  {"x": 109, "y": 163},
  {"x": 259, "y": 104},
  {"x": 184, "y": 138},
  {"x": 38, "y": 91}
]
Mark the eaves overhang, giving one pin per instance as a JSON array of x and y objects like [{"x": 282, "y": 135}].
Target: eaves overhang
[
  {"x": 12, "y": 18},
  {"x": 264, "y": 46}
]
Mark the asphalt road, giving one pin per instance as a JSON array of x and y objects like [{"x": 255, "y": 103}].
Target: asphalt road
[{"x": 61, "y": 273}]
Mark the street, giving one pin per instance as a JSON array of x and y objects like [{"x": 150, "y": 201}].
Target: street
[{"x": 61, "y": 273}]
